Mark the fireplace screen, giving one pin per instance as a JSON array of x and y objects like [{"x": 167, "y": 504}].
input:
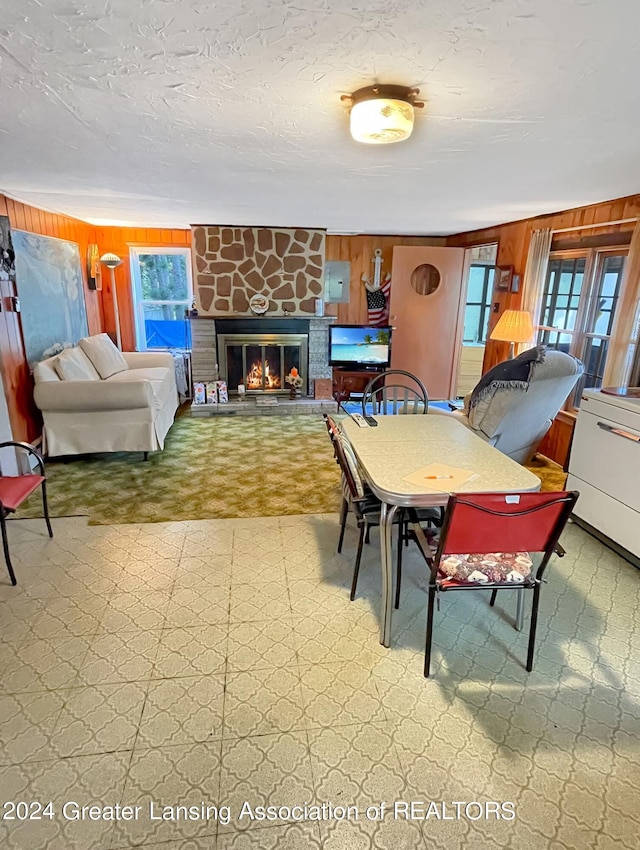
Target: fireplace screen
[{"x": 262, "y": 361}]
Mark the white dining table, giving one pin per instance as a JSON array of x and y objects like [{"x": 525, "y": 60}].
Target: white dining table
[{"x": 402, "y": 445}]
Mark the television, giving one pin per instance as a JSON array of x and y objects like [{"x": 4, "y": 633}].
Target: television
[{"x": 360, "y": 347}]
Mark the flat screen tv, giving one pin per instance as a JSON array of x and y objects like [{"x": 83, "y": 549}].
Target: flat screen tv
[{"x": 360, "y": 347}]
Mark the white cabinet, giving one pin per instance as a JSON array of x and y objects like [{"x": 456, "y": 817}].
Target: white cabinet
[{"x": 605, "y": 468}]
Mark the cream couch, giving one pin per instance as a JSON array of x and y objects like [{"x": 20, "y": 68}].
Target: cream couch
[{"x": 130, "y": 410}]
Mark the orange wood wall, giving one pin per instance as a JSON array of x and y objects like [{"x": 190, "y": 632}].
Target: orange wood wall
[
  {"x": 18, "y": 383},
  {"x": 118, "y": 240},
  {"x": 358, "y": 250},
  {"x": 513, "y": 246}
]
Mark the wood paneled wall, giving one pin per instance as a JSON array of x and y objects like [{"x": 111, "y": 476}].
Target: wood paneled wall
[
  {"x": 17, "y": 380},
  {"x": 359, "y": 251},
  {"x": 513, "y": 246},
  {"x": 118, "y": 240}
]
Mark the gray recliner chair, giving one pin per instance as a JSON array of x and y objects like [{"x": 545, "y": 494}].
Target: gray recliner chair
[{"x": 515, "y": 420}]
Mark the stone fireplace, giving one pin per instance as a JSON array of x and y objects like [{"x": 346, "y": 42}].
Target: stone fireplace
[{"x": 236, "y": 346}]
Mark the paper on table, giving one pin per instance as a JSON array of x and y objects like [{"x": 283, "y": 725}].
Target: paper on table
[{"x": 455, "y": 477}]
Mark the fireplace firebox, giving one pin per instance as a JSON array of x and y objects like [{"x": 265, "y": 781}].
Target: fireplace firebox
[{"x": 261, "y": 361}]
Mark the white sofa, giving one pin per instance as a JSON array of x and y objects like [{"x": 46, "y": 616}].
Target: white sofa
[{"x": 130, "y": 410}]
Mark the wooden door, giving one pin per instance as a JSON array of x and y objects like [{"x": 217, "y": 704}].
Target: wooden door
[{"x": 426, "y": 314}]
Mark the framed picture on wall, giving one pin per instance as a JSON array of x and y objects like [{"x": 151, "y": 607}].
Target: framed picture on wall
[{"x": 503, "y": 277}]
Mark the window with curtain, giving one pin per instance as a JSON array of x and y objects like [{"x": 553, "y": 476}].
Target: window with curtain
[{"x": 578, "y": 308}]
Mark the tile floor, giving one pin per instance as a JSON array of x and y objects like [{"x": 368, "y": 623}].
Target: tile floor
[{"x": 220, "y": 662}]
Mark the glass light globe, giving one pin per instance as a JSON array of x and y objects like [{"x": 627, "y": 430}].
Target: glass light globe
[{"x": 381, "y": 121}]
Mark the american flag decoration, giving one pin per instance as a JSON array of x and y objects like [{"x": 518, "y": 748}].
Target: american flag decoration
[{"x": 378, "y": 293}]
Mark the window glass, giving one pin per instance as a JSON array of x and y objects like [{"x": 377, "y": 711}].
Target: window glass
[
  {"x": 577, "y": 313},
  {"x": 162, "y": 295}
]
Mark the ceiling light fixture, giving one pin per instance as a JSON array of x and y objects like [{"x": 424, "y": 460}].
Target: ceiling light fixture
[{"x": 382, "y": 114}]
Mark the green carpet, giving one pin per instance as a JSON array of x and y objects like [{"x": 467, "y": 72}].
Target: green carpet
[
  {"x": 227, "y": 466},
  {"x": 220, "y": 467}
]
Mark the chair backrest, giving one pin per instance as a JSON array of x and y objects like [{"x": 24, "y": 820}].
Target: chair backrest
[
  {"x": 515, "y": 421},
  {"x": 395, "y": 391},
  {"x": 346, "y": 458},
  {"x": 479, "y": 523}
]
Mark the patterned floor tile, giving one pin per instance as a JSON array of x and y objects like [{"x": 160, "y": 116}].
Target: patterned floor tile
[
  {"x": 85, "y": 780},
  {"x": 197, "y": 606},
  {"x": 339, "y": 694},
  {"x": 346, "y": 636},
  {"x": 292, "y": 837},
  {"x": 264, "y": 701},
  {"x": 99, "y": 719},
  {"x": 27, "y": 721},
  {"x": 129, "y": 612},
  {"x": 260, "y": 644},
  {"x": 267, "y": 770},
  {"x": 44, "y": 664},
  {"x": 182, "y": 711},
  {"x": 170, "y": 776},
  {"x": 259, "y": 600},
  {"x": 197, "y": 651},
  {"x": 560, "y": 742},
  {"x": 370, "y": 835},
  {"x": 125, "y": 657},
  {"x": 356, "y": 765}
]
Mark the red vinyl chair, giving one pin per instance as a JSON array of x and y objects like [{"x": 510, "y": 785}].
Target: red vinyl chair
[
  {"x": 475, "y": 526},
  {"x": 14, "y": 490}
]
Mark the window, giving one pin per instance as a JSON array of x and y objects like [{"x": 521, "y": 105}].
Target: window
[
  {"x": 162, "y": 291},
  {"x": 476, "y": 313},
  {"x": 578, "y": 308}
]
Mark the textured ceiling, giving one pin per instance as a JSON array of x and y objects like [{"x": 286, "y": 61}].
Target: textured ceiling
[{"x": 171, "y": 112}]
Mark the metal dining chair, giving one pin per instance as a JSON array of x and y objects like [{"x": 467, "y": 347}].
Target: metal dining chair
[
  {"x": 364, "y": 504},
  {"x": 14, "y": 490},
  {"x": 395, "y": 391},
  {"x": 486, "y": 543}
]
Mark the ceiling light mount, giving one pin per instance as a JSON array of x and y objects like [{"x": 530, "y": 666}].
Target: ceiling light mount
[{"x": 382, "y": 114}]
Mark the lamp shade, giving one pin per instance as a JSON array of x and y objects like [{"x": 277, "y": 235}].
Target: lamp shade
[
  {"x": 381, "y": 120},
  {"x": 513, "y": 326}
]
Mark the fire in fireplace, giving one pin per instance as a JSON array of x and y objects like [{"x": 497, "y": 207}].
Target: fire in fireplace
[{"x": 262, "y": 361}]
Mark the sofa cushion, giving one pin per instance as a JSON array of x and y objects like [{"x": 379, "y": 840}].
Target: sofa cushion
[
  {"x": 160, "y": 378},
  {"x": 72, "y": 364},
  {"x": 45, "y": 371},
  {"x": 104, "y": 355}
]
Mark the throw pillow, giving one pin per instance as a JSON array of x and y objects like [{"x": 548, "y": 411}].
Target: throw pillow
[
  {"x": 510, "y": 374},
  {"x": 104, "y": 355},
  {"x": 72, "y": 364}
]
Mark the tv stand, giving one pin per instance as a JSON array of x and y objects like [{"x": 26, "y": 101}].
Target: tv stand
[{"x": 352, "y": 382}]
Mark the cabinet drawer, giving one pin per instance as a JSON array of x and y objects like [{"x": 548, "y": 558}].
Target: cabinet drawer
[
  {"x": 607, "y": 515},
  {"x": 606, "y": 455}
]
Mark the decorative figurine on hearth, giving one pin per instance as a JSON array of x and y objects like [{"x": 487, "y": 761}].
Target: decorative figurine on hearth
[{"x": 294, "y": 379}]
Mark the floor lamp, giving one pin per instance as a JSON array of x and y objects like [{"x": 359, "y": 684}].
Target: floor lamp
[
  {"x": 513, "y": 326},
  {"x": 112, "y": 261}
]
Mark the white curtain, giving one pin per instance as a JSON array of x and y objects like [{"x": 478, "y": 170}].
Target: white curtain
[
  {"x": 626, "y": 322},
  {"x": 535, "y": 275}
]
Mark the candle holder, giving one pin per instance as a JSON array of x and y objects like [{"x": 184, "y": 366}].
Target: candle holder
[{"x": 242, "y": 392}]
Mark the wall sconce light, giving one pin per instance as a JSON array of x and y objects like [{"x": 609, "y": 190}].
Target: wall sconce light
[{"x": 381, "y": 114}]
